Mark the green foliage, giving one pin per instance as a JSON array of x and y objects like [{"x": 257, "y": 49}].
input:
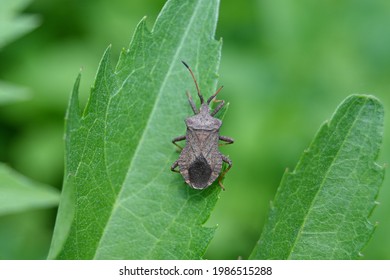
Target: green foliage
[
  {"x": 23, "y": 201},
  {"x": 18, "y": 193},
  {"x": 120, "y": 199},
  {"x": 285, "y": 64},
  {"x": 10, "y": 93},
  {"x": 12, "y": 26},
  {"x": 320, "y": 210}
]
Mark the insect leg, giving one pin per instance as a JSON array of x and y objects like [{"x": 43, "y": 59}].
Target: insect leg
[
  {"x": 174, "y": 165},
  {"x": 228, "y": 140},
  {"x": 216, "y": 110},
  {"x": 194, "y": 109},
  {"x": 177, "y": 139},
  {"x": 214, "y": 95},
  {"x": 230, "y": 163}
]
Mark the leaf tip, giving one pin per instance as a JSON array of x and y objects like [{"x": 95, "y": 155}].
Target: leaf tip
[
  {"x": 363, "y": 98},
  {"x": 107, "y": 52},
  {"x": 141, "y": 25},
  {"x": 366, "y": 97},
  {"x": 73, "y": 106}
]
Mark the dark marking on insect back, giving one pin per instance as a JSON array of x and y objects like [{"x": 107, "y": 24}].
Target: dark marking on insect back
[
  {"x": 199, "y": 172},
  {"x": 200, "y": 161}
]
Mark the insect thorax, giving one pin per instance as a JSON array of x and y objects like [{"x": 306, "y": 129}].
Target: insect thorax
[{"x": 203, "y": 122}]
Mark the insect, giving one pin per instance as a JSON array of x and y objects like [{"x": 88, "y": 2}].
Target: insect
[{"x": 200, "y": 161}]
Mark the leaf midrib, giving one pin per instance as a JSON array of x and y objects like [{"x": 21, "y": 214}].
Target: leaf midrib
[
  {"x": 323, "y": 182},
  {"x": 157, "y": 100}
]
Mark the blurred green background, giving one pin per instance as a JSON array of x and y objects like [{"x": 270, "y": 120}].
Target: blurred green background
[{"x": 285, "y": 66}]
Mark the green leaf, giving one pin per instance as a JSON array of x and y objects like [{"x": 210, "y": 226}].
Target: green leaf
[
  {"x": 120, "y": 200},
  {"x": 13, "y": 25},
  {"x": 10, "y": 93},
  {"x": 321, "y": 209},
  {"x": 18, "y": 193}
]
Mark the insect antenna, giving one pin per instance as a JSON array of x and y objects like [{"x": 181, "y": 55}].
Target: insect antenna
[{"x": 196, "y": 83}]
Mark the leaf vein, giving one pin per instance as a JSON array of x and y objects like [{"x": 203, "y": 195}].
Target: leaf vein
[{"x": 300, "y": 232}]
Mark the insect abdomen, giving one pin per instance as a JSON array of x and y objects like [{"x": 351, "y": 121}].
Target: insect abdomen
[{"x": 199, "y": 172}]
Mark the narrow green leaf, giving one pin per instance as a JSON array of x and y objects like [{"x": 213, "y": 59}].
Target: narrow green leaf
[
  {"x": 120, "y": 200},
  {"x": 12, "y": 24},
  {"x": 321, "y": 209},
  {"x": 10, "y": 93},
  {"x": 18, "y": 193}
]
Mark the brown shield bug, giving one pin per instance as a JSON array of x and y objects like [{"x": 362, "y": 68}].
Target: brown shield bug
[{"x": 200, "y": 161}]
